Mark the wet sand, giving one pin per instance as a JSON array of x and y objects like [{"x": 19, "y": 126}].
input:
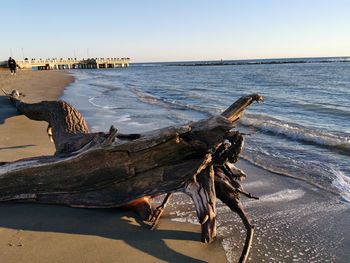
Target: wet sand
[
  {"x": 294, "y": 222},
  {"x": 49, "y": 233}
]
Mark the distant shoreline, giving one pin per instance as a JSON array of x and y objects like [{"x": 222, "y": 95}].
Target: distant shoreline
[{"x": 258, "y": 63}]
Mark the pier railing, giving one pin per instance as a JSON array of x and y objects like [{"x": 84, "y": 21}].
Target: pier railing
[{"x": 71, "y": 63}]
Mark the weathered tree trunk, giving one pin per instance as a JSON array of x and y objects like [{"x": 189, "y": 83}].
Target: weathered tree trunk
[{"x": 110, "y": 170}]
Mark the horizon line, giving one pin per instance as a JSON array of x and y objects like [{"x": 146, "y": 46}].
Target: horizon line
[{"x": 236, "y": 59}]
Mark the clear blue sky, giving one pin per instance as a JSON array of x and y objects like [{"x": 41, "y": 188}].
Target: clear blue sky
[{"x": 164, "y": 30}]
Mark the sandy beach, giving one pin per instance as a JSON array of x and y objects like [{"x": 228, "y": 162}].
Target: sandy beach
[
  {"x": 295, "y": 222},
  {"x": 43, "y": 233},
  {"x": 21, "y": 137}
]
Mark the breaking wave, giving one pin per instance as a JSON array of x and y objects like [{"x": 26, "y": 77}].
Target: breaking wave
[
  {"x": 342, "y": 182},
  {"x": 171, "y": 103},
  {"x": 92, "y": 101},
  {"x": 339, "y": 142}
]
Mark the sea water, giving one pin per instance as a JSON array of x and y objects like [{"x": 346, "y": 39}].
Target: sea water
[{"x": 301, "y": 130}]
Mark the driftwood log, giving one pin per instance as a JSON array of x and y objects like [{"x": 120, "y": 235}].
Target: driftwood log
[{"x": 100, "y": 170}]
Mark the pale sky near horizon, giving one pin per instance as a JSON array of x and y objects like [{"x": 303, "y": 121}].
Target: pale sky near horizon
[{"x": 178, "y": 30}]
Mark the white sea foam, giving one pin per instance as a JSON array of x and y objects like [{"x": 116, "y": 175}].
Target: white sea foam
[
  {"x": 342, "y": 182},
  {"x": 190, "y": 220},
  {"x": 284, "y": 195},
  {"x": 124, "y": 118},
  {"x": 256, "y": 184},
  {"x": 91, "y": 100},
  {"x": 227, "y": 245}
]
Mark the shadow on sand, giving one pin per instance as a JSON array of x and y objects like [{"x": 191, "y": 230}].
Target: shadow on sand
[
  {"x": 17, "y": 147},
  {"x": 107, "y": 223},
  {"x": 6, "y": 109}
]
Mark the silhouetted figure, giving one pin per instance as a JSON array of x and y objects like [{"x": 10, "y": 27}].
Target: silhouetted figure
[{"x": 12, "y": 65}]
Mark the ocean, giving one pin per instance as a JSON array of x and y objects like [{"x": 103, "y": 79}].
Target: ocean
[{"x": 301, "y": 130}]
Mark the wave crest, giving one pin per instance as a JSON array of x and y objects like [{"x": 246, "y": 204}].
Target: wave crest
[{"x": 293, "y": 131}]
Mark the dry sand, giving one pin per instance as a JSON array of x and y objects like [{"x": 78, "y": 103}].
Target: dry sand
[
  {"x": 48, "y": 233},
  {"x": 19, "y": 136}
]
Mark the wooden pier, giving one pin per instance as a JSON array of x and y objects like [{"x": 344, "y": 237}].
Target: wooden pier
[{"x": 72, "y": 63}]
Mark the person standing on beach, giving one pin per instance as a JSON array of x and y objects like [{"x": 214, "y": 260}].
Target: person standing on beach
[{"x": 12, "y": 65}]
